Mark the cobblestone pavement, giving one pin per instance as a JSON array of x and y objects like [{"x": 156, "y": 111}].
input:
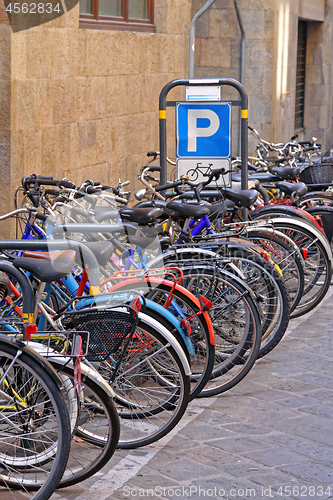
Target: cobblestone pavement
[{"x": 271, "y": 437}]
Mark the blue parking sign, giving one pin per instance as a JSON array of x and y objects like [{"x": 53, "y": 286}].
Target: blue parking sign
[{"x": 203, "y": 130}]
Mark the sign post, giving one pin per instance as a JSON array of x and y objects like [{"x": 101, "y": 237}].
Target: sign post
[{"x": 203, "y": 129}]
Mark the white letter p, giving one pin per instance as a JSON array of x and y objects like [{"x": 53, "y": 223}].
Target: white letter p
[{"x": 194, "y": 131}]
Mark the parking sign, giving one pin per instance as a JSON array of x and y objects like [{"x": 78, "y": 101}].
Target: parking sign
[
  {"x": 203, "y": 130},
  {"x": 203, "y": 139}
]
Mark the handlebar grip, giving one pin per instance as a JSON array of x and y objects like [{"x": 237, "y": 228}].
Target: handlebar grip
[
  {"x": 92, "y": 190},
  {"x": 52, "y": 192},
  {"x": 44, "y": 177},
  {"x": 154, "y": 169},
  {"x": 152, "y": 153},
  {"x": 304, "y": 143},
  {"x": 109, "y": 188},
  {"x": 42, "y": 217},
  {"x": 250, "y": 128},
  {"x": 310, "y": 148},
  {"x": 168, "y": 186},
  {"x": 67, "y": 184}
]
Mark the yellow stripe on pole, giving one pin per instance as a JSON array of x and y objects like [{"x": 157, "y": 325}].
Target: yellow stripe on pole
[
  {"x": 244, "y": 113},
  {"x": 94, "y": 290},
  {"x": 28, "y": 317},
  {"x": 162, "y": 114}
]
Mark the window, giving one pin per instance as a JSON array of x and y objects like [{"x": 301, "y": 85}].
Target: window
[
  {"x": 136, "y": 15},
  {"x": 300, "y": 74}
]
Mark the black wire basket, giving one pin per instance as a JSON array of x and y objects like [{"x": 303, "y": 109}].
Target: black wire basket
[
  {"x": 318, "y": 173},
  {"x": 108, "y": 328}
]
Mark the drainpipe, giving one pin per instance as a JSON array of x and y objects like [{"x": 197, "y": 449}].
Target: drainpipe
[
  {"x": 242, "y": 60},
  {"x": 192, "y": 36}
]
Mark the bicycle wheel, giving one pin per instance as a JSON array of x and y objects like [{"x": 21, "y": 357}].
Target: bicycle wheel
[
  {"x": 317, "y": 262},
  {"x": 198, "y": 344},
  {"x": 285, "y": 253},
  {"x": 236, "y": 324},
  {"x": 96, "y": 435},
  {"x": 272, "y": 299},
  {"x": 151, "y": 386},
  {"x": 34, "y": 425}
]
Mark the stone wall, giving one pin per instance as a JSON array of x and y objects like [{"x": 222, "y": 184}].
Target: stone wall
[
  {"x": 85, "y": 102},
  {"x": 270, "y": 74}
]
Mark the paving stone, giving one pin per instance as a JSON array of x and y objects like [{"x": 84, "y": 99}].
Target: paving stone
[
  {"x": 275, "y": 456},
  {"x": 319, "y": 474},
  {"x": 211, "y": 456},
  {"x": 315, "y": 378},
  {"x": 239, "y": 445},
  {"x": 319, "y": 453},
  {"x": 297, "y": 402},
  {"x": 292, "y": 385},
  {"x": 244, "y": 428},
  {"x": 211, "y": 417},
  {"x": 284, "y": 440},
  {"x": 322, "y": 410},
  {"x": 274, "y": 476},
  {"x": 188, "y": 469},
  {"x": 200, "y": 432}
]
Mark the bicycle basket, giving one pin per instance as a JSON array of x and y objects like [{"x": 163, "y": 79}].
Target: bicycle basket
[
  {"x": 108, "y": 329},
  {"x": 318, "y": 173}
]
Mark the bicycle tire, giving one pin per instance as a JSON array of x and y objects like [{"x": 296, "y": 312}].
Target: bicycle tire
[
  {"x": 228, "y": 369},
  {"x": 60, "y": 430}
]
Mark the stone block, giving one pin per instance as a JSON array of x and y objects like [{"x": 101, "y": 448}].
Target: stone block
[
  {"x": 214, "y": 54},
  {"x": 168, "y": 53},
  {"x": 223, "y": 4},
  {"x": 98, "y": 55},
  {"x": 99, "y": 97},
  {"x": 72, "y": 17},
  {"x": 115, "y": 93},
  {"x": 61, "y": 53},
  {"x": 118, "y": 53},
  {"x": 5, "y": 104},
  {"x": 144, "y": 55},
  {"x": 5, "y": 151},
  {"x": 63, "y": 100},
  {"x": 160, "y": 16},
  {"x": 78, "y": 47},
  {"x": 261, "y": 53},
  {"x": 49, "y": 147},
  {"x": 5, "y": 52},
  {"x": 87, "y": 142},
  {"x": 17, "y": 157},
  {"x": 39, "y": 52},
  {"x": 24, "y": 100},
  {"x": 33, "y": 150},
  {"x": 63, "y": 151},
  {"x": 155, "y": 54},
  {"x": 254, "y": 24},
  {"x": 44, "y": 102},
  {"x": 18, "y": 55},
  {"x": 4, "y": 20},
  {"x": 223, "y": 24},
  {"x": 82, "y": 99}
]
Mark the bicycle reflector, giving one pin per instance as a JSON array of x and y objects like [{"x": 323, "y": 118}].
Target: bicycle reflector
[
  {"x": 29, "y": 330},
  {"x": 186, "y": 326},
  {"x": 205, "y": 303},
  {"x": 305, "y": 253}
]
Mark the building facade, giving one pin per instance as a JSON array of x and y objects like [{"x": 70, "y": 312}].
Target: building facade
[{"x": 79, "y": 92}]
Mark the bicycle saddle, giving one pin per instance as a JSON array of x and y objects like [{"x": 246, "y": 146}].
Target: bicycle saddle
[
  {"x": 187, "y": 210},
  {"x": 50, "y": 269},
  {"x": 242, "y": 198},
  {"x": 285, "y": 172},
  {"x": 140, "y": 215},
  {"x": 289, "y": 188}
]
